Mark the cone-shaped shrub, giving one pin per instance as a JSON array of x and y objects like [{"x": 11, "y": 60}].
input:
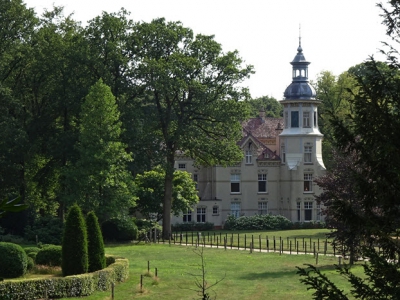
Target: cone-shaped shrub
[
  {"x": 74, "y": 244},
  {"x": 97, "y": 259}
]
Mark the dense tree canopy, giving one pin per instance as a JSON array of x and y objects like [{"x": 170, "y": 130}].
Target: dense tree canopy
[{"x": 269, "y": 105}]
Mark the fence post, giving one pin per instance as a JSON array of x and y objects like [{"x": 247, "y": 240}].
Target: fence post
[
  {"x": 290, "y": 247},
  {"x": 340, "y": 261},
  {"x": 314, "y": 249},
  {"x": 305, "y": 249},
  {"x": 274, "y": 244},
  {"x": 148, "y": 266},
  {"x": 245, "y": 242},
  {"x": 267, "y": 244},
  {"x": 141, "y": 282},
  {"x": 217, "y": 242},
  {"x": 259, "y": 241},
  {"x": 297, "y": 247},
  {"x": 251, "y": 247},
  {"x": 238, "y": 242},
  {"x": 316, "y": 259},
  {"x": 112, "y": 290},
  {"x": 252, "y": 240}
]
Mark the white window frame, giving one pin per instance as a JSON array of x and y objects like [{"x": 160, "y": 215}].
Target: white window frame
[
  {"x": 235, "y": 181},
  {"x": 262, "y": 207},
  {"x": 201, "y": 214},
  {"x": 262, "y": 178},
  {"x": 215, "y": 210},
  {"x": 308, "y": 182},
  {"x": 308, "y": 211},
  {"x": 187, "y": 216},
  {"x": 248, "y": 157},
  {"x": 235, "y": 209},
  {"x": 306, "y": 119},
  {"x": 308, "y": 154}
]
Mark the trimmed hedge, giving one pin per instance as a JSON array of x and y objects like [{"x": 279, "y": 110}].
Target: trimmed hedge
[
  {"x": 32, "y": 251},
  {"x": 13, "y": 260},
  {"x": 120, "y": 229},
  {"x": 257, "y": 222},
  {"x": 70, "y": 286},
  {"x": 192, "y": 226},
  {"x": 49, "y": 256}
]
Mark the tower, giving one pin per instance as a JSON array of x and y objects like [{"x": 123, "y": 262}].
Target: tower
[{"x": 301, "y": 145}]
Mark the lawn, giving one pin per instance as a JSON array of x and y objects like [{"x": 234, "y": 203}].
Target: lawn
[{"x": 246, "y": 276}]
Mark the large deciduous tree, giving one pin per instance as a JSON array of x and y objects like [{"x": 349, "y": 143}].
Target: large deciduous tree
[
  {"x": 150, "y": 193},
  {"x": 189, "y": 89}
]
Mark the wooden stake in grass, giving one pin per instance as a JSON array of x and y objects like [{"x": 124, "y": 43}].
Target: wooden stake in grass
[{"x": 112, "y": 290}]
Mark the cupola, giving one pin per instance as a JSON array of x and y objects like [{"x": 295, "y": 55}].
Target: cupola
[{"x": 299, "y": 89}]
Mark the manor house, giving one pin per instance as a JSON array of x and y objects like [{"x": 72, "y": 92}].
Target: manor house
[{"x": 282, "y": 156}]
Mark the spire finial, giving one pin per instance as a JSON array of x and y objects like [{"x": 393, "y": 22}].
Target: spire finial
[{"x": 299, "y": 49}]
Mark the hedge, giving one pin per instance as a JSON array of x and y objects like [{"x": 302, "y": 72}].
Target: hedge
[{"x": 70, "y": 286}]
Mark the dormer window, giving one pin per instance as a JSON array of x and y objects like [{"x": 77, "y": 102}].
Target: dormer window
[{"x": 248, "y": 157}]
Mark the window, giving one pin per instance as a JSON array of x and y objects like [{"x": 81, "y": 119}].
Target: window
[
  {"x": 215, "y": 210},
  {"x": 201, "y": 215},
  {"x": 283, "y": 153},
  {"x": 181, "y": 166},
  {"x": 187, "y": 217},
  {"x": 286, "y": 119},
  {"x": 308, "y": 182},
  {"x": 235, "y": 183},
  {"x": 235, "y": 209},
  {"x": 308, "y": 211},
  {"x": 315, "y": 119},
  {"x": 196, "y": 179},
  {"x": 262, "y": 208},
  {"x": 262, "y": 183},
  {"x": 298, "y": 211},
  {"x": 306, "y": 119},
  {"x": 248, "y": 157},
  {"x": 307, "y": 154},
  {"x": 294, "y": 119}
]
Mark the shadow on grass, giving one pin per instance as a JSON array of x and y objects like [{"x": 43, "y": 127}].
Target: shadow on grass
[{"x": 269, "y": 275}]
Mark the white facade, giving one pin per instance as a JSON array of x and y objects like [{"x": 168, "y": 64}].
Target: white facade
[{"x": 282, "y": 156}]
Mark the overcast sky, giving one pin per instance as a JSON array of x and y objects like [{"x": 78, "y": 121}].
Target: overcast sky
[{"x": 336, "y": 34}]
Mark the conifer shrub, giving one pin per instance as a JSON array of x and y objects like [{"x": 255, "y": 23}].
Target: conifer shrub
[
  {"x": 96, "y": 253},
  {"x": 49, "y": 256},
  {"x": 74, "y": 244},
  {"x": 13, "y": 260},
  {"x": 32, "y": 252}
]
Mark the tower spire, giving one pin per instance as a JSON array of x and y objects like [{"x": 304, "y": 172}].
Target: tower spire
[{"x": 299, "y": 49}]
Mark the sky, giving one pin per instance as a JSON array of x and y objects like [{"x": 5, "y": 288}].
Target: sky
[{"x": 335, "y": 34}]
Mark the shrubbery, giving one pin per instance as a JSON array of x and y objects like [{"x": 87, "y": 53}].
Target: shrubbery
[
  {"x": 192, "y": 226},
  {"x": 13, "y": 260},
  {"x": 49, "y": 256},
  {"x": 48, "y": 230},
  {"x": 120, "y": 229},
  {"x": 97, "y": 259},
  {"x": 74, "y": 245},
  {"x": 32, "y": 251},
  {"x": 257, "y": 222}
]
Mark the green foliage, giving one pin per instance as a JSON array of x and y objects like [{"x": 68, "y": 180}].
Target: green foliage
[
  {"x": 12, "y": 205},
  {"x": 30, "y": 263},
  {"x": 74, "y": 244},
  {"x": 96, "y": 256},
  {"x": 269, "y": 105},
  {"x": 193, "y": 226},
  {"x": 99, "y": 179},
  {"x": 49, "y": 256},
  {"x": 109, "y": 260},
  {"x": 48, "y": 230},
  {"x": 120, "y": 229},
  {"x": 150, "y": 193},
  {"x": 257, "y": 222},
  {"x": 32, "y": 251},
  {"x": 63, "y": 287},
  {"x": 13, "y": 260}
]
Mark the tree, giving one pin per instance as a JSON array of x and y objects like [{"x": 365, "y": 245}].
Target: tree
[
  {"x": 270, "y": 105},
  {"x": 371, "y": 134},
  {"x": 99, "y": 180},
  {"x": 150, "y": 193},
  {"x": 12, "y": 205},
  {"x": 74, "y": 244},
  {"x": 96, "y": 254},
  {"x": 187, "y": 86}
]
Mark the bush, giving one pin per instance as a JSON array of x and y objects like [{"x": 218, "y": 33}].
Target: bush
[
  {"x": 257, "y": 222},
  {"x": 120, "y": 229},
  {"x": 32, "y": 252},
  {"x": 30, "y": 264},
  {"x": 110, "y": 260},
  {"x": 49, "y": 256},
  {"x": 48, "y": 230},
  {"x": 192, "y": 226},
  {"x": 97, "y": 259},
  {"x": 63, "y": 287},
  {"x": 13, "y": 260},
  {"x": 74, "y": 245}
]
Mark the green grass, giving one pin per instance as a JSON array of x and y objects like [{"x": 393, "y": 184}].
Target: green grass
[{"x": 247, "y": 276}]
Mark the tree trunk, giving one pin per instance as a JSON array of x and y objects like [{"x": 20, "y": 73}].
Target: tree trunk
[{"x": 167, "y": 203}]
